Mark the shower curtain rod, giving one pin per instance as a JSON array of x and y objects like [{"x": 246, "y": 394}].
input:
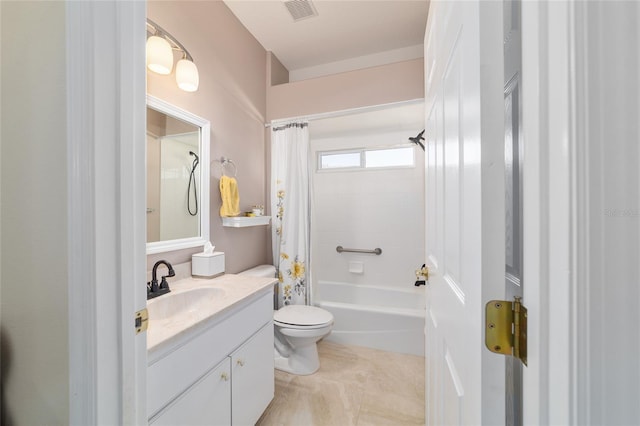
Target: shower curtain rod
[{"x": 340, "y": 113}]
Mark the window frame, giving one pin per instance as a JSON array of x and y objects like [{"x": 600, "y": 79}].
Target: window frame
[
  {"x": 338, "y": 152},
  {"x": 363, "y": 165}
]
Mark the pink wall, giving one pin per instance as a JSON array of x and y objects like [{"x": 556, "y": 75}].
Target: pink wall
[
  {"x": 235, "y": 95},
  {"x": 276, "y": 72},
  {"x": 384, "y": 84},
  {"x": 232, "y": 95}
]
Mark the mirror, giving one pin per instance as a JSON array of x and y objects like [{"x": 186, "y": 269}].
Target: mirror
[{"x": 177, "y": 178}]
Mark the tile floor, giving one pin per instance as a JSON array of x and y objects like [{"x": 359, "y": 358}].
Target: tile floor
[{"x": 354, "y": 386}]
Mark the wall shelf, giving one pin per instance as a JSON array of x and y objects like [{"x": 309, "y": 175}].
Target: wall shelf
[{"x": 244, "y": 221}]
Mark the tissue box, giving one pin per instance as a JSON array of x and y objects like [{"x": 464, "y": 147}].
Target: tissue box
[{"x": 207, "y": 264}]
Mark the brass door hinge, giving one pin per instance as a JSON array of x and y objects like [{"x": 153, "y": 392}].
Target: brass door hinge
[
  {"x": 142, "y": 321},
  {"x": 506, "y": 328}
]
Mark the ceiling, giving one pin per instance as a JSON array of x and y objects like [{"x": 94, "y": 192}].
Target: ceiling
[{"x": 345, "y": 35}]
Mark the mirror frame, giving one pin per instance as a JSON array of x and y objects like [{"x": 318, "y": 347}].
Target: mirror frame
[{"x": 205, "y": 177}]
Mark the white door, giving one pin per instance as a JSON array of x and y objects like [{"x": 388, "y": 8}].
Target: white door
[
  {"x": 464, "y": 209},
  {"x": 580, "y": 202},
  {"x": 106, "y": 151}
]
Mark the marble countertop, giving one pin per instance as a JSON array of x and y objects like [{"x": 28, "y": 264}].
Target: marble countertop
[{"x": 232, "y": 291}]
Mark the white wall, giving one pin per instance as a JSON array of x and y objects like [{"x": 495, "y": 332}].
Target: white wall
[
  {"x": 35, "y": 339},
  {"x": 175, "y": 220},
  {"x": 153, "y": 188},
  {"x": 607, "y": 211},
  {"x": 368, "y": 209}
]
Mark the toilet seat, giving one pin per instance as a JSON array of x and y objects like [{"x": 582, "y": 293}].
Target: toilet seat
[
  {"x": 302, "y": 317},
  {"x": 302, "y": 327}
]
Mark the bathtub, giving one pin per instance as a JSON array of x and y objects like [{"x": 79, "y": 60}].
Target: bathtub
[{"x": 386, "y": 318}]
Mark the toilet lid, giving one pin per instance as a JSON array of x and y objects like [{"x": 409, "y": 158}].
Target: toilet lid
[{"x": 302, "y": 315}]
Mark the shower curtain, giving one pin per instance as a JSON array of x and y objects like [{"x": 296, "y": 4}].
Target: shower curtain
[{"x": 290, "y": 207}]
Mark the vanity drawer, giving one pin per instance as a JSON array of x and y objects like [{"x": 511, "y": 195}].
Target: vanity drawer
[{"x": 172, "y": 374}]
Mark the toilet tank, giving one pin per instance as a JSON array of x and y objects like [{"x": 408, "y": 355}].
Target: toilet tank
[{"x": 267, "y": 271}]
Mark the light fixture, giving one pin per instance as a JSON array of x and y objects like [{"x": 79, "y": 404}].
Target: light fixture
[
  {"x": 159, "y": 55},
  {"x": 160, "y": 47},
  {"x": 187, "y": 75}
]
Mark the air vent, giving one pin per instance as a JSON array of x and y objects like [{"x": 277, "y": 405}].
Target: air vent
[{"x": 301, "y": 9}]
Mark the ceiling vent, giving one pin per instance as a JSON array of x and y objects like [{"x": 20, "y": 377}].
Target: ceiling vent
[{"x": 301, "y": 9}]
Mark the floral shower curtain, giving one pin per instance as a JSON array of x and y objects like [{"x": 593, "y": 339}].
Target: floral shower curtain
[{"x": 290, "y": 208}]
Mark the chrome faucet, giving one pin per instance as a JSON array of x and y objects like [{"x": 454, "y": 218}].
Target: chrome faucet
[
  {"x": 153, "y": 288},
  {"x": 422, "y": 275}
]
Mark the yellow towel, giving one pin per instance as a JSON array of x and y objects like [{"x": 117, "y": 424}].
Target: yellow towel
[{"x": 230, "y": 197}]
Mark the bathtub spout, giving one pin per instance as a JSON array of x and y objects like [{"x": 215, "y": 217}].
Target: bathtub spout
[{"x": 422, "y": 275}]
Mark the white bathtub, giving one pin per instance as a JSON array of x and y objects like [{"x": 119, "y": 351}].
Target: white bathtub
[{"x": 386, "y": 318}]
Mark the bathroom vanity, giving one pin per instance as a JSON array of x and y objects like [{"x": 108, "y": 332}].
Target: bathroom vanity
[{"x": 210, "y": 352}]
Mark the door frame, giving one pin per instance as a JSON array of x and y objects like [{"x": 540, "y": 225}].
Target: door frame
[
  {"x": 548, "y": 43},
  {"x": 580, "y": 127},
  {"x": 106, "y": 185}
]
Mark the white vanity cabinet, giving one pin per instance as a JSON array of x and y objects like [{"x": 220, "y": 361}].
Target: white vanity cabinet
[
  {"x": 252, "y": 378},
  {"x": 207, "y": 402},
  {"x": 220, "y": 374}
]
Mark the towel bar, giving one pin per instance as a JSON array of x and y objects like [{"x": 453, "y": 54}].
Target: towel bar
[
  {"x": 376, "y": 251},
  {"x": 225, "y": 162}
]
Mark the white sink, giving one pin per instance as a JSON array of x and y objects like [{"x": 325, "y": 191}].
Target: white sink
[
  {"x": 193, "y": 305},
  {"x": 185, "y": 303}
]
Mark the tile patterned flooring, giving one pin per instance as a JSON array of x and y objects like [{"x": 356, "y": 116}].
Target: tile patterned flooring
[{"x": 355, "y": 386}]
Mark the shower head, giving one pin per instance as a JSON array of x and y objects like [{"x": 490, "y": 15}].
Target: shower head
[{"x": 417, "y": 139}]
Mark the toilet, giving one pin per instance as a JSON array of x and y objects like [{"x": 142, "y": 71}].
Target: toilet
[{"x": 297, "y": 329}]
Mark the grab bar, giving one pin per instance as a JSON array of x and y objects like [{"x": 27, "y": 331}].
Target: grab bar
[{"x": 376, "y": 251}]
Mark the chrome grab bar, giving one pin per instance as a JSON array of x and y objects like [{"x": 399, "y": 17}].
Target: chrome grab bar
[{"x": 376, "y": 251}]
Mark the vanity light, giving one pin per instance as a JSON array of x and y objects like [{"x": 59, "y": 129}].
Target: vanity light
[
  {"x": 159, "y": 55},
  {"x": 187, "y": 75},
  {"x": 160, "y": 47}
]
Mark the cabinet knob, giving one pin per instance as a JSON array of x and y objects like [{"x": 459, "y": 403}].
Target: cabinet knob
[
  {"x": 240, "y": 362},
  {"x": 224, "y": 376}
]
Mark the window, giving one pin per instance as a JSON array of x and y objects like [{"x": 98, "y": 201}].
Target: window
[
  {"x": 340, "y": 160},
  {"x": 366, "y": 158},
  {"x": 394, "y": 157}
]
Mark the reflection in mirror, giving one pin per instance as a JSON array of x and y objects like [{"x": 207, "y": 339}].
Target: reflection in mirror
[{"x": 177, "y": 178}]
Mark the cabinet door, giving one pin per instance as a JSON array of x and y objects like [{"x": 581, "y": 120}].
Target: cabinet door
[
  {"x": 207, "y": 402},
  {"x": 253, "y": 377}
]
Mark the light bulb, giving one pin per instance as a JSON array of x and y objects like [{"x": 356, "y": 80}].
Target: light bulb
[
  {"x": 187, "y": 75},
  {"x": 159, "y": 55}
]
